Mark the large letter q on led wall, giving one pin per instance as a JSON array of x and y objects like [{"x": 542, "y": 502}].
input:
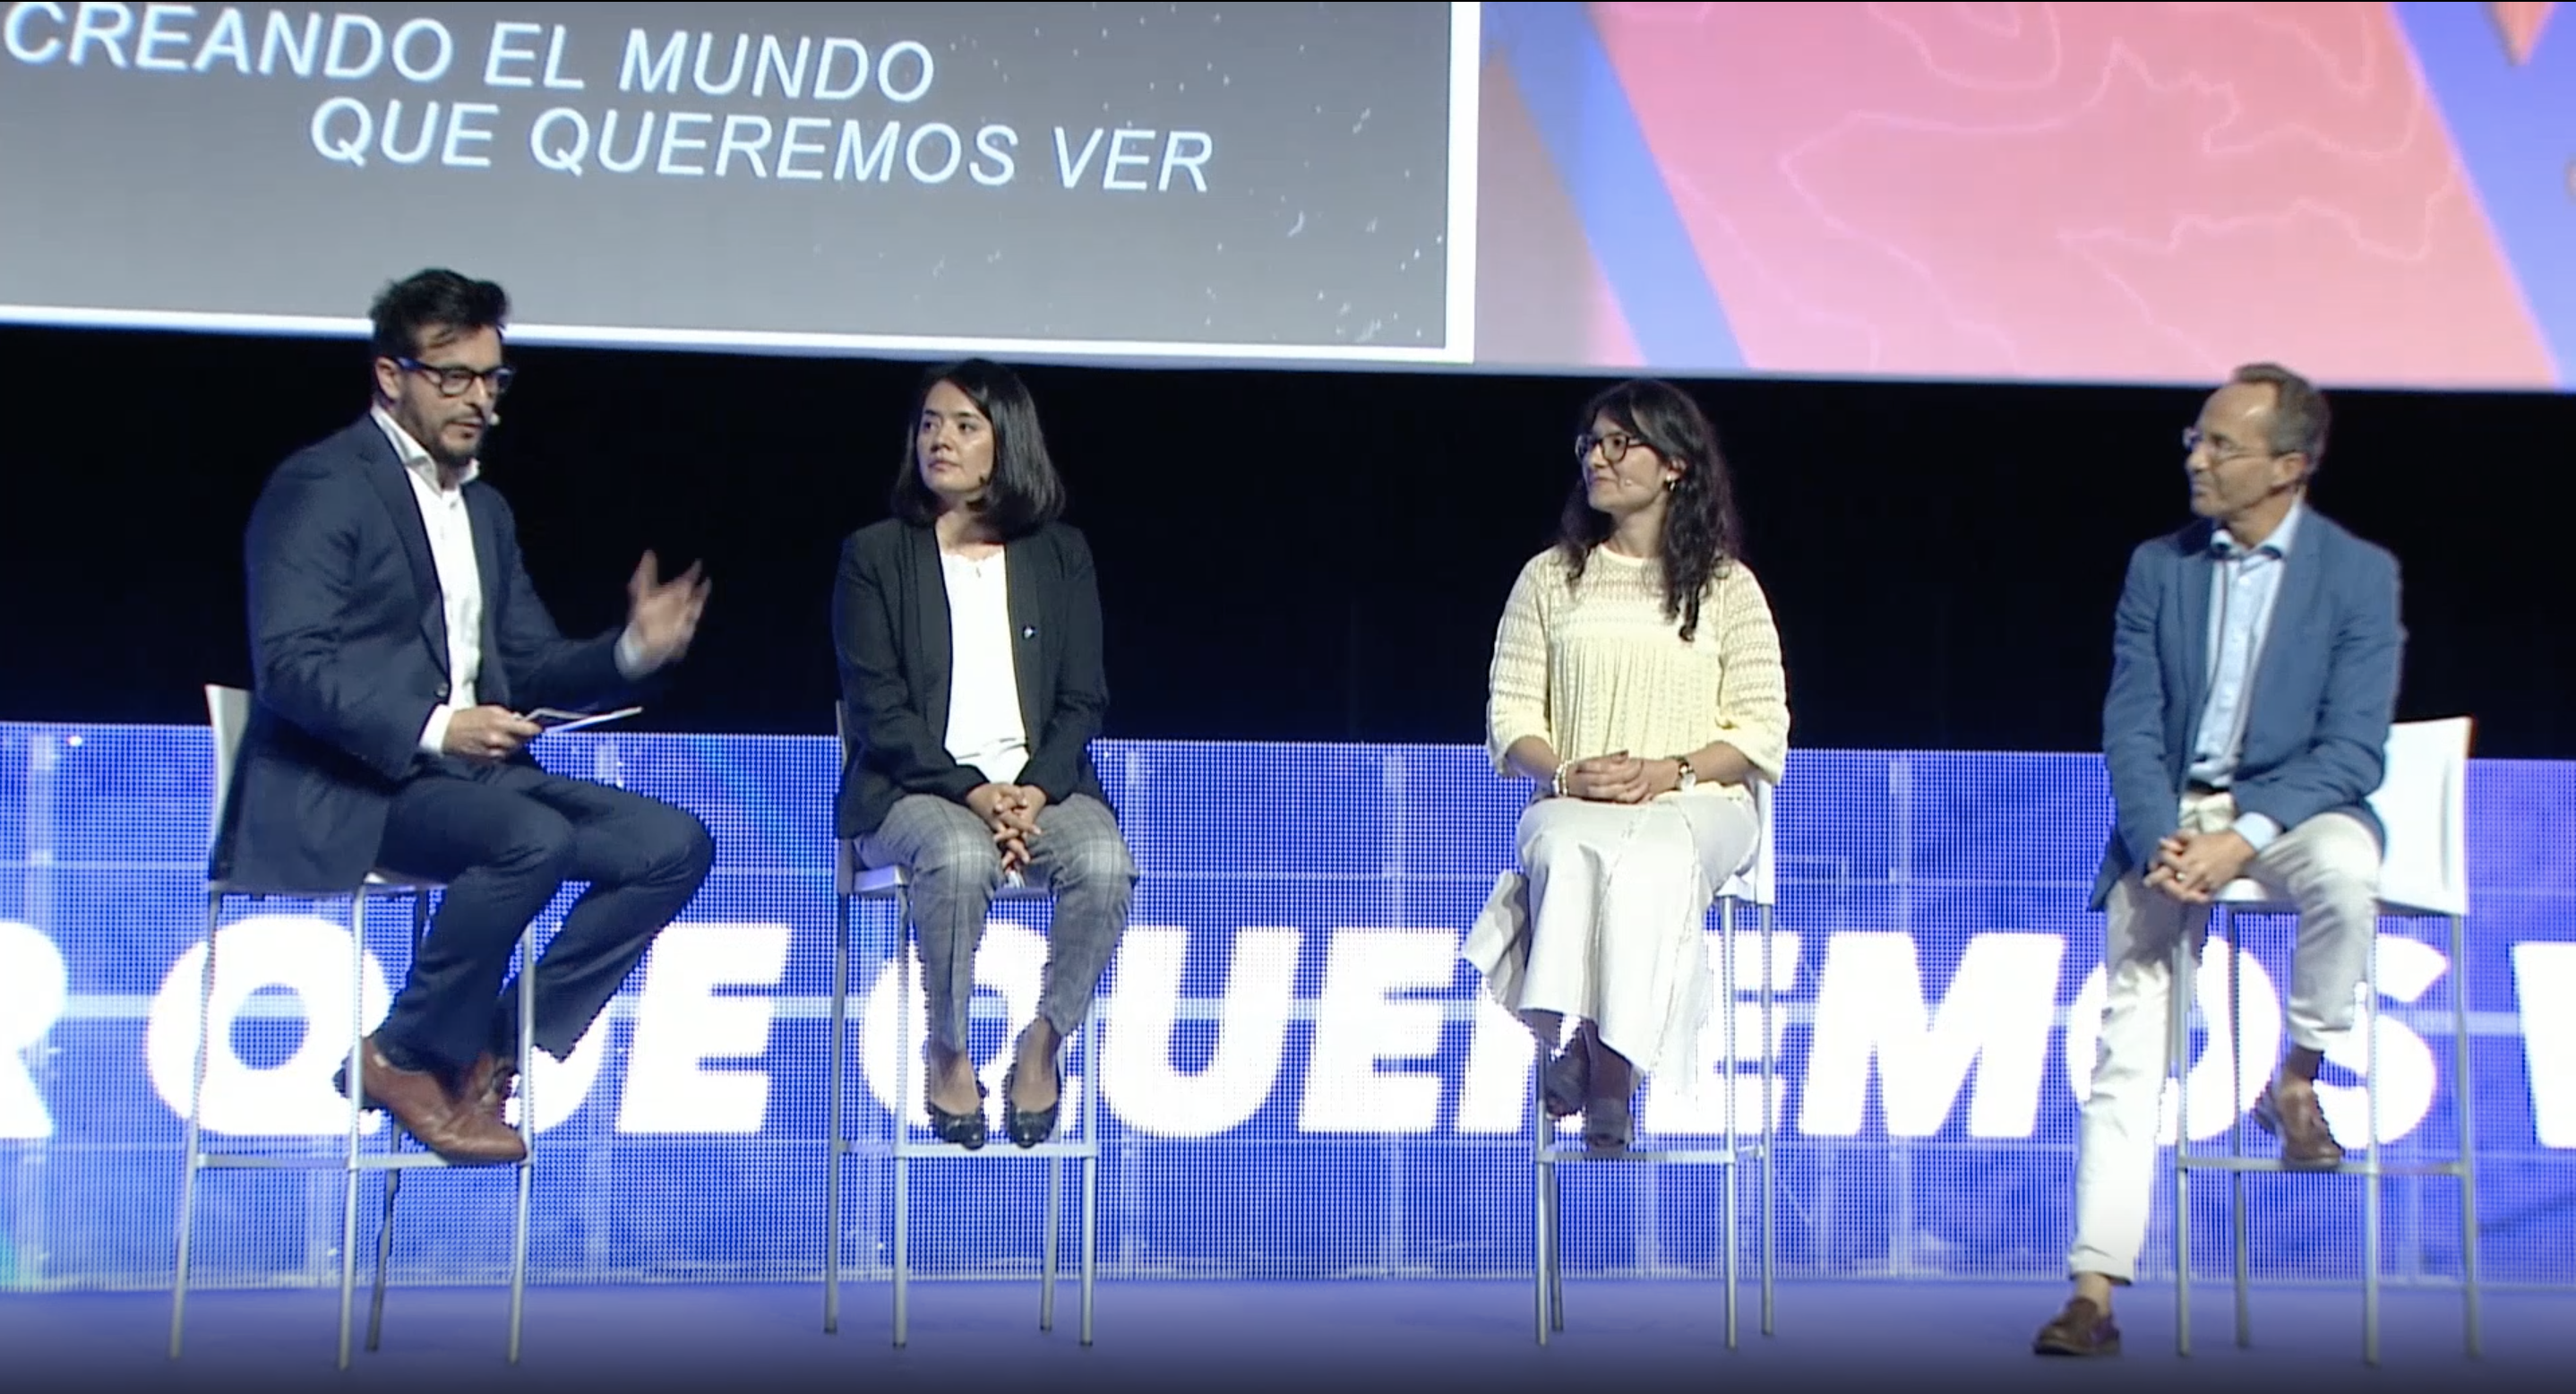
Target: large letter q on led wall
[{"x": 306, "y": 956}]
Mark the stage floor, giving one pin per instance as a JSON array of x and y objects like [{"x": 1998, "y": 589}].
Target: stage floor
[{"x": 1219, "y": 1336}]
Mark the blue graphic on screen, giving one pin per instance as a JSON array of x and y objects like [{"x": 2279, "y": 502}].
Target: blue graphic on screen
[
  {"x": 2510, "y": 120},
  {"x": 1299, "y": 1079}
]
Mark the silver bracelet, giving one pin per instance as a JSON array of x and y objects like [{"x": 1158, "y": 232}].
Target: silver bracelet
[{"x": 1556, "y": 783}]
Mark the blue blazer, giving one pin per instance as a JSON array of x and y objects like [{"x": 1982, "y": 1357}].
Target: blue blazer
[
  {"x": 2324, "y": 692},
  {"x": 348, "y": 638}
]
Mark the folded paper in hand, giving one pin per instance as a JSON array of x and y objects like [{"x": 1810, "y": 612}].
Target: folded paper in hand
[{"x": 550, "y": 719}]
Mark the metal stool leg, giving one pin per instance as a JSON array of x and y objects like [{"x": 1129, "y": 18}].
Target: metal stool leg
[
  {"x": 1047, "y": 1243},
  {"x": 836, "y": 1146},
  {"x": 349, "y": 1156},
  {"x": 1769, "y": 1126},
  {"x": 2470, "y": 1314},
  {"x": 1090, "y": 1163},
  {"x": 196, "y": 1115},
  {"x": 1555, "y": 1251},
  {"x": 902, "y": 1241},
  {"x": 2236, "y": 1135},
  {"x": 527, "y": 1137},
  {"x": 1090, "y": 1235},
  {"x": 393, "y": 1175},
  {"x": 1729, "y": 1228},
  {"x": 2370, "y": 1163},
  {"x": 904, "y": 1074},
  {"x": 1539, "y": 1225},
  {"x": 2178, "y": 997},
  {"x": 1732, "y": 1230},
  {"x": 1538, "y": 1197},
  {"x": 384, "y": 1254}
]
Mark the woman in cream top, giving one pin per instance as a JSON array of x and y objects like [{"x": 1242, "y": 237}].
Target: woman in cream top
[{"x": 1637, "y": 681}]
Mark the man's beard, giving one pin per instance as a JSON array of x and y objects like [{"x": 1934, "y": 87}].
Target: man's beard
[{"x": 447, "y": 456}]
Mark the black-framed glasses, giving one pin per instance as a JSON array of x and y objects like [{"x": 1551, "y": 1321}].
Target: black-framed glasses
[
  {"x": 456, "y": 382},
  {"x": 2193, "y": 440},
  {"x": 1615, "y": 446}
]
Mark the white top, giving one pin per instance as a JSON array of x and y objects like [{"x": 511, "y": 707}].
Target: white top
[
  {"x": 1597, "y": 667},
  {"x": 984, "y": 725},
  {"x": 460, "y": 581}
]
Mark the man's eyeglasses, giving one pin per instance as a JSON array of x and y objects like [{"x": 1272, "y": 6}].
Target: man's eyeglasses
[
  {"x": 456, "y": 382},
  {"x": 1614, "y": 446},
  {"x": 2192, "y": 440}
]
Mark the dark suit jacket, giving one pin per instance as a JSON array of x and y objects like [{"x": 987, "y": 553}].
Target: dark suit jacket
[
  {"x": 2324, "y": 692},
  {"x": 890, "y": 626},
  {"x": 348, "y": 636}
]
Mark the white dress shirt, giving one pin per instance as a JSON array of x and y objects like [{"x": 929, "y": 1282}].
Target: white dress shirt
[
  {"x": 460, "y": 579},
  {"x": 984, "y": 725}
]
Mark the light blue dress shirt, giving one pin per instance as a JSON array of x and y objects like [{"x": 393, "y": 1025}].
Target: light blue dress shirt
[{"x": 2242, "y": 588}]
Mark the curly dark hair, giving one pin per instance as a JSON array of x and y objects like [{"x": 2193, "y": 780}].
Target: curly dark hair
[{"x": 1702, "y": 535}]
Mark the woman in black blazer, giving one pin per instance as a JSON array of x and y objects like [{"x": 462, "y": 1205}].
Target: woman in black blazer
[{"x": 968, "y": 630}]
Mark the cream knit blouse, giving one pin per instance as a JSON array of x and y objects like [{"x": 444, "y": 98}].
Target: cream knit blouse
[{"x": 1597, "y": 668}]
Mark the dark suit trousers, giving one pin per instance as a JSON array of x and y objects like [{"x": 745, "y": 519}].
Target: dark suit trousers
[{"x": 504, "y": 838}]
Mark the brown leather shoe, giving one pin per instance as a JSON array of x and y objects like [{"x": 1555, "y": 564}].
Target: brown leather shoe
[
  {"x": 2082, "y": 1329},
  {"x": 2288, "y": 1110},
  {"x": 421, "y": 1104},
  {"x": 488, "y": 1084}
]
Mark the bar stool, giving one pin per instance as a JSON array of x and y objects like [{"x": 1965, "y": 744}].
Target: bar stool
[
  {"x": 2422, "y": 802},
  {"x": 855, "y": 883},
  {"x": 1755, "y": 885},
  {"x": 228, "y": 712}
]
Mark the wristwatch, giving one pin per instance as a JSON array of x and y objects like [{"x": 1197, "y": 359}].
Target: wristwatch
[{"x": 1689, "y": 776}]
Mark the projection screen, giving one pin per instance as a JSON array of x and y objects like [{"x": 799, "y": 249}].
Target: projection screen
[
  {"x": 2375, "y": 192},
  {"x": 1227, "y": 181}
]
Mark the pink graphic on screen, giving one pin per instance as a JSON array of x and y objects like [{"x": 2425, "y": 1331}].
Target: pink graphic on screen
[{"x": 2149, "y": 192}]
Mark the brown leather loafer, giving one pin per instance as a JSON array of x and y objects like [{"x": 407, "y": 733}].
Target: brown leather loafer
[
  {"x": 2293, "y": 1115},
  {"x": 488, "y": 1084},
  {"x": 421, "y": 1104},
  {"x": 2082, "y": 1329}
]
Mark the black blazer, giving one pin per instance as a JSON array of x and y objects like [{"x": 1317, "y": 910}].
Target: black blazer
[
  {"x": 348, "y": 637},
  {"x": 890, "y": 626}
]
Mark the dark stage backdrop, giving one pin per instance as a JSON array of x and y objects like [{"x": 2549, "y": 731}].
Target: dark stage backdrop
[{"x": 1284, "y": 555}]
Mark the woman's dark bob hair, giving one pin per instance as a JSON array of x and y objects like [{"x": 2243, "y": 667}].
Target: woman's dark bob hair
[{"x": 1025, "y": 493}]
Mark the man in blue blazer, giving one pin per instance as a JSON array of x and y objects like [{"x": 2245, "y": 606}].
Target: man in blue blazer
[
  {"x": 2254, "y": 674},
  {"x": 395, "y": 641}
]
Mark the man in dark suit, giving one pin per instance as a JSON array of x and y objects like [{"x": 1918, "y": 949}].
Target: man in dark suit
[
  {"x": 2254, "y": 676},
  {"x": 395, "y": 640}
]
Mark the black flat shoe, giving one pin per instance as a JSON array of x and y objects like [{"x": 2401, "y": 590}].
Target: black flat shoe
[
  {"x": 1605, "y": 1124},
  {"x": 1568, "y": 1079},
  {"x": 963, "y": 1129},
  {"x": 1029, "y": 1127}
]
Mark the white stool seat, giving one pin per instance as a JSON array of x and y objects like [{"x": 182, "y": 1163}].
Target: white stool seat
[
  {"x": 1756, "y": 885},
  {"x": 2422, "y": 802},
  {"x": 1076, "y": 1138},
  {"x": 228, "y": 712}
]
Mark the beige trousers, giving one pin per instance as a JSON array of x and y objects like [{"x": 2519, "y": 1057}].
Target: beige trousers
[{"x": 2328, "y": 866}]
